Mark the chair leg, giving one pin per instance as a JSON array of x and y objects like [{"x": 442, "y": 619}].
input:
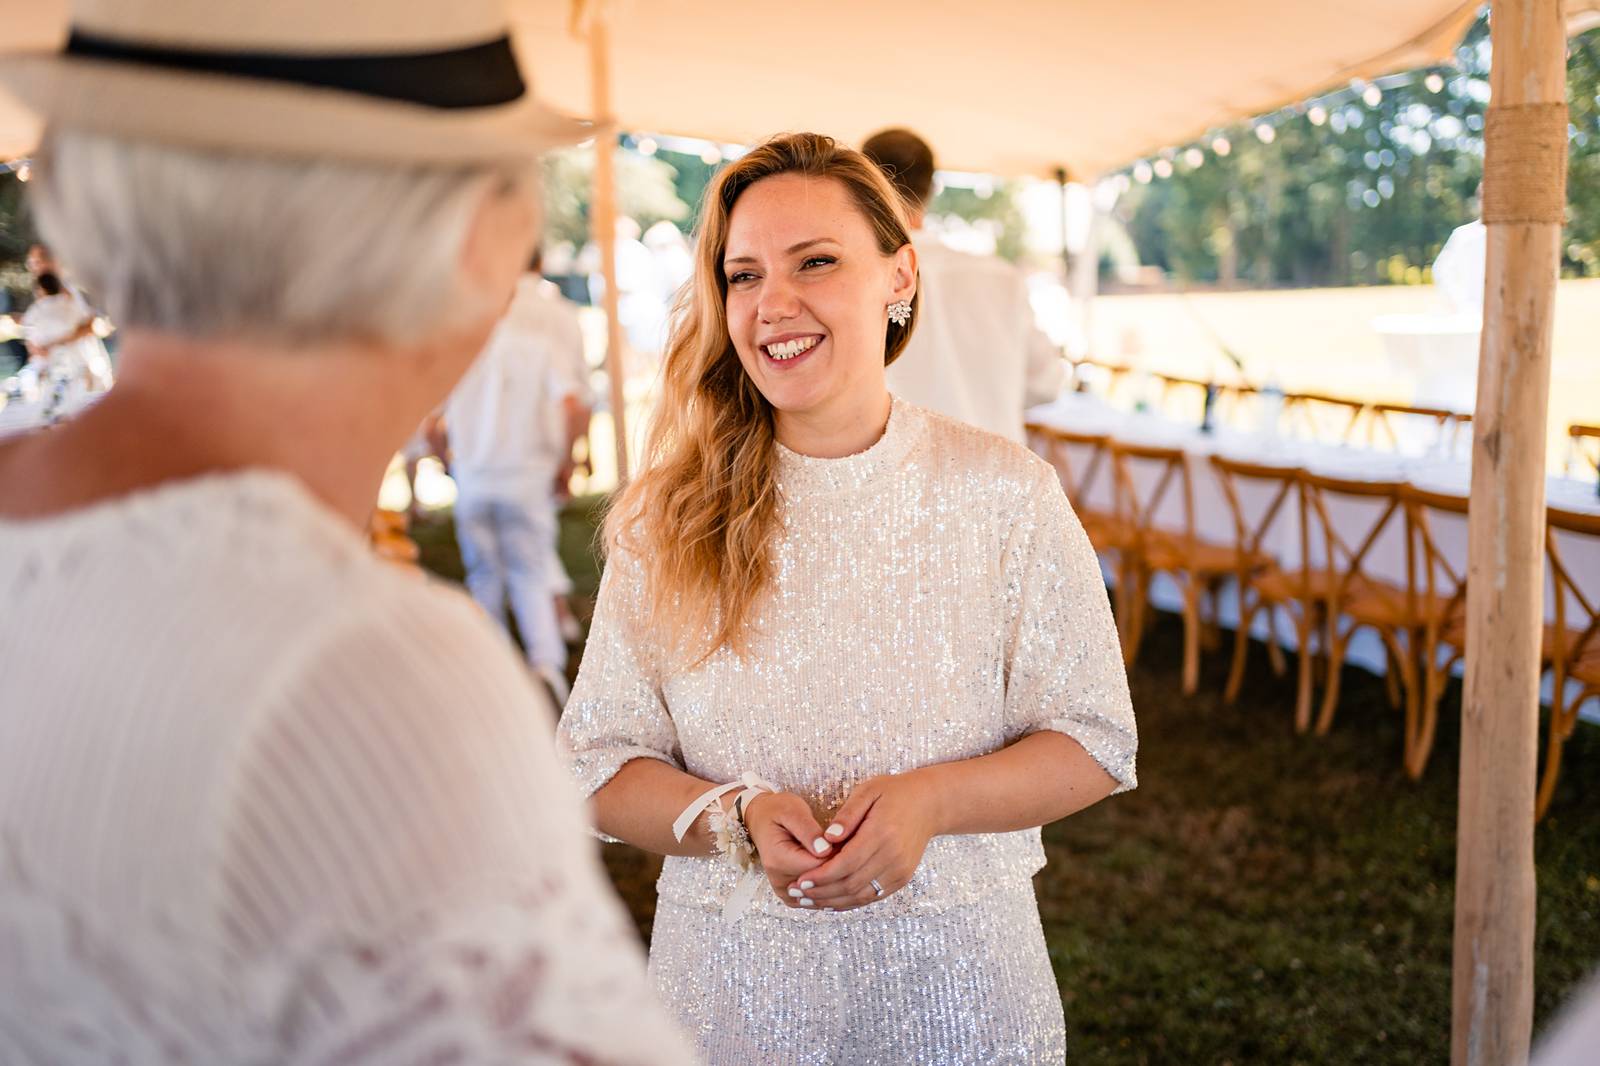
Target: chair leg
[
  {"x": 1560, "y": 728},
  {"x": 1302, "y": 697},
  {"x": 1274, "y": 648},
  {"x": 1241, "y": 651},
  {"x": 1191, "y": 635},
  {"x": 1391, "y": 680},
  {"x": 1330, "y": 697}
]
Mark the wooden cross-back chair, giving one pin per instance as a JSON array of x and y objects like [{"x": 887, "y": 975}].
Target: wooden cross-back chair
[
  {"x": 1357, "y": 600},
  {"x": 1328, "y": 419},
  {"x": 1096, "y": 375},
  {"x": 1583, "y": 450},
  {"x": 1265, "y": 584},
  {"x": 1572, "y": 643},
  {"x": 1441, "y": 600},
  {"x": 1081, "y": 474},
  {"x": 1196, "y": 565},
  {"x": 1447, "y": 425}
]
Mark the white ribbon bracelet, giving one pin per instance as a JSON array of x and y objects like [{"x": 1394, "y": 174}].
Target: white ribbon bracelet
[{"x": 752, "y": 876}]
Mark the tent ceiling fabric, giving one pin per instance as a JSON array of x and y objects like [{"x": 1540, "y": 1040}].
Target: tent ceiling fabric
[{"x": 1008, "y": 86}]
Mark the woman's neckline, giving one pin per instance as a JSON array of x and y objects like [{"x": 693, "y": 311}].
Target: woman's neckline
[{"x": 808, "y": 475}]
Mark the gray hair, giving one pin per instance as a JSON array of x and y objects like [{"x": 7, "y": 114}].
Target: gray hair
[{"x": 210, "y": 244}]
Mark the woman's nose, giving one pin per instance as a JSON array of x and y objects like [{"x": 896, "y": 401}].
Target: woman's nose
[{"x": 778, "y": 301}]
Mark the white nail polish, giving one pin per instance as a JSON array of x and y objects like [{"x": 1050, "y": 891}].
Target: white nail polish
[
  {"x": 836, "y": 831},
  {"x": 808, "y": 903},
  {"x": 806, "y": 884},
  {"x": 819, "y": 845},
  {"x": 827, "y": 910},
  {"x": 796, "y": 893}
]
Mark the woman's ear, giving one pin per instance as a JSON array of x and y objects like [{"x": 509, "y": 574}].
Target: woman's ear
[{"x": 903, "y": 278}]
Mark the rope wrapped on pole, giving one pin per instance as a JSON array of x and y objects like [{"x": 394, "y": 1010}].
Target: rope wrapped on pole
[{"x": 1525, "y": 163}]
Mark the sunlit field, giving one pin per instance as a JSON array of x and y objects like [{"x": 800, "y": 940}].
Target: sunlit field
[{"x": 1322, "y": 340}]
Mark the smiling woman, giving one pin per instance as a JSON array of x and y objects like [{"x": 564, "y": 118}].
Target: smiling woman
[{"x": 825, "y": 607}]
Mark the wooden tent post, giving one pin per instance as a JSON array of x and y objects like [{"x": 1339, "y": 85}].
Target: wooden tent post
[
  {"x": 1524, "y": 197},
  {"x": 603, "y": 225}
]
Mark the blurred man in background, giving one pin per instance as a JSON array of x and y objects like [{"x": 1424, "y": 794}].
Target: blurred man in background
[
  {"x": 509, "y": 427},
  {"x": 976, "y": 354}
]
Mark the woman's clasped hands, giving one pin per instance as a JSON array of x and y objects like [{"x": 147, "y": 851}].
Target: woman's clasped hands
[{"x": 870, "y": 849}]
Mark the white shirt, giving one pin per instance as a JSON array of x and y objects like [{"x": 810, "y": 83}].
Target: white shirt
[
  {"x": 265, "y": 798},
  {"x": 975, "y": 354},
  {"x": 504, "y": 418},
  {"x": 1458, "y": 273}
]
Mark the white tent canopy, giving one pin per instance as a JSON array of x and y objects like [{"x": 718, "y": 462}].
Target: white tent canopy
[{"x": 1009, "y": 86}]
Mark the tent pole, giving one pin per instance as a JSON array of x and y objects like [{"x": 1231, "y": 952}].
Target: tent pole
[
  {"x": 1524, "y": 195},
  {"x": 603, "y": 225}
]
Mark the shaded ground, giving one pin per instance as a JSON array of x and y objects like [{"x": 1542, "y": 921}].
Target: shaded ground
[{"x": 1262, "y": 897}]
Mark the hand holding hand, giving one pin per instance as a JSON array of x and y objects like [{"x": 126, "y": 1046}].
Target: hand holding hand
[
  {"x": 789, "y": 841},
  {"x": 881, "y": 833}
]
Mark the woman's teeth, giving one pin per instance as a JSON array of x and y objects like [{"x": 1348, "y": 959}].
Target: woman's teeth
[{"x": 790, "y": 349}]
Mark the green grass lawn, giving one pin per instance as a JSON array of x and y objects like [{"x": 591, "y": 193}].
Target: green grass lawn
[{"x": 1262, "y": 897}]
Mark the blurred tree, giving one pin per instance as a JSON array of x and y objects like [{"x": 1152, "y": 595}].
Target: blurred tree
[
  {"x": 991, "y": 205},
  {"x": 1355, "y": 188},
  {"x": 646, "y": 192}
]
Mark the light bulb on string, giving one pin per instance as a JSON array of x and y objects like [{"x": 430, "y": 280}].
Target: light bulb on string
[
  {"x": 1373, "y": 96},
  {"x": 1222, "y": 146},
  {"x": 1194, "y": 157},
  {"x": 1266, "y": 134},
  {"x": 24, "y": 170},
  {"x": 1317, "y": 114},
  {"x": 711, "y": 156},
  {"x": 1142, "y": 172},
  {"x": 1434, "y": 83},
  {"x": 1163, "y": 168},
  {"x": 646, "y": 146}
]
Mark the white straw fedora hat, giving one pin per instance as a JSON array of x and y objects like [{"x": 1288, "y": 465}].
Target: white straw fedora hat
[{"x": 380, "y": 80}]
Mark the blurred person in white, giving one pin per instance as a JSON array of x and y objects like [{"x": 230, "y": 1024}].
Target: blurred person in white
[
  {"x": 56, "y": 329},
  {"x": 510, "y": 426},
  {"x": 263, "y": 798},
  {"x": 824, "y": 606},
  {"x": 977, "y": 355}
]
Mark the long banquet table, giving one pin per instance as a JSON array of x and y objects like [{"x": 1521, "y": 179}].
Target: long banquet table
[{"x": 1439, "y": 472}]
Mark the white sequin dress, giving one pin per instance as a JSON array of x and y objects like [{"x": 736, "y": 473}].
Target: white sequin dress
[{"x": 935, "y": 599}]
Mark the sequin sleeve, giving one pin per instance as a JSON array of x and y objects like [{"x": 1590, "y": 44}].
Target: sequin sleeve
[
  {"x": 616, "y": 712},
  {"x": 1064, "y": 668}
]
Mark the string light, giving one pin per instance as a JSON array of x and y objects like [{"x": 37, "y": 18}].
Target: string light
[
  {"x": 646, "y": 146},
  {"x": 1265, "y": 133},
  {"x": 1317, "y": 114},
  {"x": 1434, "y": 83},
  {"x": 1194, "y": 157},
  {"x": 1163, "y": 168},
  {"x": 24, "y": 170},
  {"x": 1221, "y": 146},
  {"x": 1142, "y": 172},
  {"x": 1373, "y": 96},
  {"x": 711, "y": 156}
]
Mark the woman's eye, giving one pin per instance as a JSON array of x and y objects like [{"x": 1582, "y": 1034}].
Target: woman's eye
[
  {"x": 739, "y": 277},
  {"x": 818, "y": 260}
]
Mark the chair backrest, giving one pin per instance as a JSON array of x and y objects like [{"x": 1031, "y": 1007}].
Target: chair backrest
[
  {"x": 1080, "y": 460},
  {"x": 1583, "y": 445},
  {"x": 1394, "y": 425},
  {"x": 1255, "y": 520},
  {"x": 1095, "y": 375},
  {"x": 1145, "y": 475},
  {"x": 1442, "y": 572},
  {"x": 1577, "y": 600},
  {"x": 1349, "y": 540},
  {"x": 1329, "y": 419}
]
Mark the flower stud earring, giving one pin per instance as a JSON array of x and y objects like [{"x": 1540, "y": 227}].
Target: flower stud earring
[{"x": 900, "y": 312}]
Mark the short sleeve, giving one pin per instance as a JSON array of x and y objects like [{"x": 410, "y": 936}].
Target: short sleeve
[
  {"x": 1064, "y": 668},
  {"x": 405, "y": 844},
  {"x": 616, "y": 712}
]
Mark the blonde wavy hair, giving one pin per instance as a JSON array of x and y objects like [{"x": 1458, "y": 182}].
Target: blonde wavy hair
[{"x": 703, "y": 512}]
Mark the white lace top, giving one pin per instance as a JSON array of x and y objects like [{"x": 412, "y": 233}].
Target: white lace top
[{"x": 265, "y": 799}]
